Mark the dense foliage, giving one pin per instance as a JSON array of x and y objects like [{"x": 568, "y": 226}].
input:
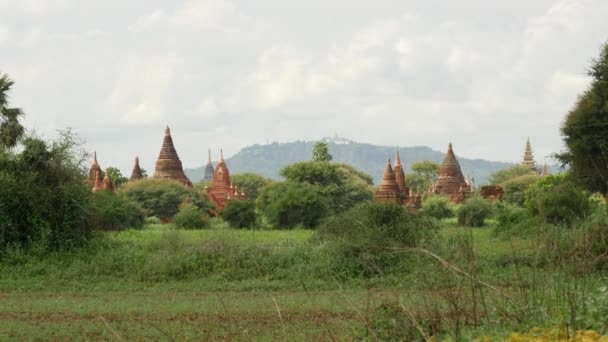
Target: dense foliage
[
  {"x": 240, "y": 214},
  {"x": 474, "y": 212},
  {"x": 116, "y": 176},
  {"x": 289, "y": 204},
  {"x": 515, "y": 188},
  {"x": 190, "y": 217},
  {"x": 439, "y": 207},
  {"x": 44, "y": 198},
  {"x": 342, "y": 185},
  {"x": 11, "y": 130},
  {"x": 557, "y": 199},
  {"x": 501, "y": 176},
  {"x": 423, "y": 175},
  {"x": 366, "y": 239},
  {"x": 585, "y": 130},
  {"x": 110, "y": 211},
  {"x": 250, "y": 183},
  {"x": 321, "y": 153},
  {"x": 162, "y": 198}
]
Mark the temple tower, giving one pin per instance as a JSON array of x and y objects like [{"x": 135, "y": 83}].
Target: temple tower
[
  {"x": 97, "y": 183},
  {"x": 400, "y": 178},
  {"x": 221, "y": 188},
  {"x": 168, "y": 165},
  {"x": 528, "y": 161},
  {"x": 209, "y": 170},
  {"x": 93, "y": 170},
  {"x": 451, "y": 181},
  {"x": 388, "y": 190},
  {"x": 136, "y": 174}
]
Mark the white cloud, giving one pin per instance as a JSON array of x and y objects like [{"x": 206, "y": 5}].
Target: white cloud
[{"x": 3, "y": 35}]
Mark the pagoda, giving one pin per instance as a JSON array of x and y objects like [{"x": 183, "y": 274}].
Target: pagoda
[
  {"x": 136, "y": 174},
  {"x": 97, "y": 183},
  {"x": 400, "y": 179},
  {"x": 221, "y": 189},
  {"x": 94, "y": 170},
  {"x": 168, "y": 165},
  {"x": 528, "y": 161},
  {"x": 209, "y": 170},
  {"x": 388, "y": 190},
  {"x": 451, "y": 181}
]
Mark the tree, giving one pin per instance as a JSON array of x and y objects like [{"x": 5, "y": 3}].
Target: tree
[
  {"x": 423, "y": 175},
  {"x": 250, "y": 183},
  {"x": 501, "y": 176},
  {"x": 515, "y": 188},
  {"x": 116, "y": 176},
  {"x": 11, "y": 130},
  {"x": 240, "y": 214},
  {"x": 585, "y": 131},
  {"x": 288, "y": 204},
  {"x": 342, "y": 185},
  {"x": 321, "y": 152}
]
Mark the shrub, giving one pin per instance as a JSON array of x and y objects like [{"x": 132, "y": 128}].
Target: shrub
[
  {"x": 474, "y": 212},
  {"x": 514, "y": 221},
  {"x": 288, "y": 204},
  {"x": 152, "y": 220},
  {"x": 240, "y": 214},
  {"x": 44, "y": 198},
  {"x": 438, "y": 207},
  {"x": 363, "y": 239},
  {"x": 515, "y": 188},
  {"x": 190, "y": 217},
  {"x": 162, "y": 197},
  {"x": 556, "y": 199},
  {"x": 250, "y": 183},
  {"x": 341, "y": 185},
  {"x": 110, "y": 211}
]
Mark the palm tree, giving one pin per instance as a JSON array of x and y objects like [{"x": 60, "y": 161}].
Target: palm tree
[{"x": 10, "y": 128}]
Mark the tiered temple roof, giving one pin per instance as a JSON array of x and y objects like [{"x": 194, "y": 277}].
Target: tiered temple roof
[
  {"x": 168, "y": 165},
  {"x": 94, "y": 170},
  {"x": 221, "y": 189},
  {"x": 451, "y": 181},
  {"x": 209, "y": 170},
  {"x": 528, "y": 161},
  {"x": 388, "y": 190},
  {"x": 136, "y": 174},
  {"x": 97, "y": 183},
  {"x": 400, "y": 178}
]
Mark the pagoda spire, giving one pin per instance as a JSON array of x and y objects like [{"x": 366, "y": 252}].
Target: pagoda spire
[
  {"x": 388, "y": 190},
  {"x": 400, "y": 176},
  {"x": 136, "y": 174},
  {"x": 450, "y": 178},
  {"x": 528, "y": 161},
  {"x": 168, "y": 165}
]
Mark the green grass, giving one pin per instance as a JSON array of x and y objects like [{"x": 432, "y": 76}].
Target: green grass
[{"x": 168, "y": 284}]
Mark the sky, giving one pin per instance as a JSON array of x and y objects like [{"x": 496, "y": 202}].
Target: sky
[{"x": 481, "y": 74}]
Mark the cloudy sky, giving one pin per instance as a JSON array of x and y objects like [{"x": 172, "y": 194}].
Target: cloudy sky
[{"x": 229, "y": 73}]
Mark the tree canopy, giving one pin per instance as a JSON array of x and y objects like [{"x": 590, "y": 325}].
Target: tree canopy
[
  {"x": 585, "y": 130},
  {"x": 11, "y": 130},
  {"x": 501, "y": 176},
  {"x": 321, "y": 152}
]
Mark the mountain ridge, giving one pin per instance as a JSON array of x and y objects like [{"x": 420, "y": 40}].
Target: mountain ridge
[{"x": 268, "y": 159}]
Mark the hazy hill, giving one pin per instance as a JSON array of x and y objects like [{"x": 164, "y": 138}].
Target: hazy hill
[{"x": 267, "y": 160}]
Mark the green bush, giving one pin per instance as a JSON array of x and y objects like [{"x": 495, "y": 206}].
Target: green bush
[
  {"x": 111, "y": 211},
  {"x": 564, "y": 203},
  {"x": 557, "y": 199},
  {"x": 365, "y": 240},
  {"x": 513, "y": 220},
  {"x": 250, "y": 183},
  {"x": 287, "y": 205},
  {"x": 474, "y": 212},
  {"x": 515, "y": 188},
  {"x": 44, "y": 197},
  {"x": 438, "y": 207},
  {"x": 341, "y": 185},
  {"x": 240, "y": 214},
  {"x": 162, "y": 197},
  {"x": 190, "y": 217}
]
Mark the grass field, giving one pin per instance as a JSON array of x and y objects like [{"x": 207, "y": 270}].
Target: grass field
[{"x": 165, "y": 284}]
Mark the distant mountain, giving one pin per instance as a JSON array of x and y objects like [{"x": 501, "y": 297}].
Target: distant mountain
[{"x": 268, "y": 160}]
